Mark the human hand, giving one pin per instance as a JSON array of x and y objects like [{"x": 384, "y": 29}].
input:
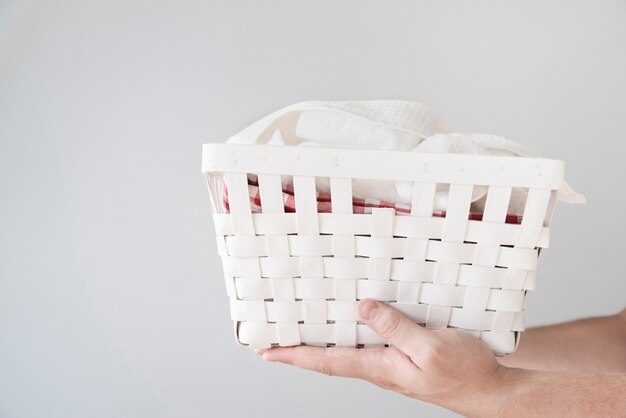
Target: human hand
[{"x": 446, "y": 367}]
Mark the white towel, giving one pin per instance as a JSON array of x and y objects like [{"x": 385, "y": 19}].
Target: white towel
[{"x": 385, "y": 125}]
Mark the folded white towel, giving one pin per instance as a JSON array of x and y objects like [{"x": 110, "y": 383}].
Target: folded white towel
[{"x": 385, "y": 125}]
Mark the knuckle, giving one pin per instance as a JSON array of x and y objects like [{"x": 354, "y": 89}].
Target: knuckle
[
  {"x": 324, "y": 368},
  {"x": 389, "y": 325}
]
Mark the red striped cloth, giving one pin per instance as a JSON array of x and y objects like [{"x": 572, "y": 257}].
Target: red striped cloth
[{"x": 359, "y": 205}]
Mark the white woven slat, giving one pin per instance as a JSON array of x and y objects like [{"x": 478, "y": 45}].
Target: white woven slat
[
  {"x": 404, "y": 226},
  {"x": 345, "y": 289},
  {"x": 417, "y": 312},
  {"x": 446, "y": 274},
  {"x": 502, "y": 321},
  {"x": 315, "y": 311},
  {"x": 311, "y": 267},
  {"x": 343, "y": 246},
  {"x": 246, "y": 246},
  {"x": 257, "y": 334},
  {"x": 311, "y": 245},
  {"x": 416, "y": 227},
  {"x": 306, "y": 205},
  {"x": 282, "y": 288},
  {"x": 534, "y": 215},
  {"x": 271, "y": 193},
  {"x": 316, "y": 333},
  {"x": 506, "y": 300},
  {"x": 415, "y": 249},
  {"x": 346, "y": 333},
  {"x": 249, "y": 268},
  {"x": 413, "y": 271},
  {"x": 341, "y": 195},
  {"x": 241, "y": 217},
  {"x": 476, "y": 298},
  {"x": 497, "y": 203},
  {"x": 275, "y": 223},
  {"x": 239, "y": 200},
  {"x": 277, "y": 246},
  {"x": 314, "y": 289},
  {"x": 378, "y": 247},
  {"x": 250, "y": 289},
  {"x": 471, "y": 319},
  {"x": 459, "y": 200},
  {"x": 443, "y": 295},
  {"x": 422, "y": 199},
  {"x": 385, "y": 291},
  {"x": 223, "y": 225},
  {"x": 520, "y": 258},
  {"x": 255, "y": 311},
  {"x": 231, "y": 288},
  {"x": 530, "y": 282},
  {"x": 518, "y": 322},
  {"x": 500, "y": 234},
  {"x": 344, "y": 223},
  {"x": 287, "y": 311},
  {"x": 288, "y": 333},
  {"x": 345, "y": 268},
  {"x": 221, "y": 246},
  {"x": 554, "y": 194},
  {"x": 367, "y": 337},
  {"x": 481, "y": 276},
  {"x": 408, "y": 292},
  {"x": 451, "y": 252},
  {"x": 237, "y": 310},
  {"x": 494, "y": 215},
  {"x": 278, "y": 266},
  {"x": 515, "y": 279},
  {"x": 342, "y": 311},
  {"x": 486, "y": 254},
  {"x": 438, "y": 316}
]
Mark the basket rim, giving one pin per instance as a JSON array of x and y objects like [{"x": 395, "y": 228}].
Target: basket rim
[{"x": 383, "y": 165}]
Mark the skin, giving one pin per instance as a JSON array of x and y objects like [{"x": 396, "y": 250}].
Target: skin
[{"x": 572, "y": 369}]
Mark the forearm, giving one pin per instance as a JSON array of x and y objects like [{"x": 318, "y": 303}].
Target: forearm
[
  {"x": 535, "y": 393},
  {"x": 593, "y": 344},
  {"x": 538, "y": 393}
]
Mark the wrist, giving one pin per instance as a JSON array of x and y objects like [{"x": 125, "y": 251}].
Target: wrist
[{"x": 498, "y": 396}]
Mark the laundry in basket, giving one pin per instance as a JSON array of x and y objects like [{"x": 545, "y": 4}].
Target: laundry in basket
[{"x": 323, "y": 204}]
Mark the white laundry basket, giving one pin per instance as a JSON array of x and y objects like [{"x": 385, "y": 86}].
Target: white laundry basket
[{"x": 296, "y": 277}]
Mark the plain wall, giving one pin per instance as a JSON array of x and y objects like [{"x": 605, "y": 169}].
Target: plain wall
[{"x": 112, "y": 302}]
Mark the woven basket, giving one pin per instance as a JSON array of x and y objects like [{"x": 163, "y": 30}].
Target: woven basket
[{"x": 295, "y": 278}]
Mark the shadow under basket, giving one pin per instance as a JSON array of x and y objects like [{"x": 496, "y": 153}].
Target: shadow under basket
[{"x": 299, "y": 249}]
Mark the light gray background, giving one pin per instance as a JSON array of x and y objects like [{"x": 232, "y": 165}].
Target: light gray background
[{"x": 112, "y": 302}]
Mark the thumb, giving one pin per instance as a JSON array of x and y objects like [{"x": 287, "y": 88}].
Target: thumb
[{"x": 396, "y": 328}]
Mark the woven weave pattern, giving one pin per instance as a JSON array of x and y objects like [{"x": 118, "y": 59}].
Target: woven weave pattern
[{"x": 295, "y": 278}]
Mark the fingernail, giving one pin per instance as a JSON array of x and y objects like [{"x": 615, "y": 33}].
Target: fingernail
[
  {"x": 260, "y": 351},
  {"x": 267, "y": 356},
  {"x": 368, "y": 309}
]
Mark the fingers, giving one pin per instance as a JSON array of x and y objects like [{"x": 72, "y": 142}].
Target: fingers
[
  {"x": 336, "y": 361},
  {"x": 396, "y": 328}
]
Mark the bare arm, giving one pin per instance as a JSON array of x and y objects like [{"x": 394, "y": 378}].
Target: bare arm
[
  {"x": 532, "y": 393},
  {"x": 592, "y": 344},
  {"x": 456, "y": 371}
]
